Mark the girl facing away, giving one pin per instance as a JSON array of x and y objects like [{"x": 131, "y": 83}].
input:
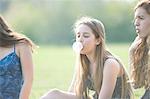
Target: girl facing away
[
  {"x": 99, "y": 75},
  {"x": 16, "y": 67},
  {"x": 139, "y": 50}
]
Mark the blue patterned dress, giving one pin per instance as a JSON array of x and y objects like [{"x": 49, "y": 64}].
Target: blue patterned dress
[{"x": 11, "y": 78}]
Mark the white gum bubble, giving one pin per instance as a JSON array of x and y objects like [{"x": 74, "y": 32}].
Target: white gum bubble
[{"x": 77, "y": 47}]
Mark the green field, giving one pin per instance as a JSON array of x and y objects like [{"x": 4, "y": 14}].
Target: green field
[{"x": 54, "y": 67}]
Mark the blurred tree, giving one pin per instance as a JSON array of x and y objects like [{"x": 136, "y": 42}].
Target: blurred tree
[
  {"x": 51, "y": 21},
  {"x": 4, "y": 5}
]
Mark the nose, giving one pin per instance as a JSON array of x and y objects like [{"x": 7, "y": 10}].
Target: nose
[{"x": 136, "y": 22}]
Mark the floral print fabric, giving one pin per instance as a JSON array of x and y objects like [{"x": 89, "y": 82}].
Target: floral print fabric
[{"x": 11, "y": 79}]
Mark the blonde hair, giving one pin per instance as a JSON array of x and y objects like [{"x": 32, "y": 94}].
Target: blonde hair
[{"x": 83, "y": 63}]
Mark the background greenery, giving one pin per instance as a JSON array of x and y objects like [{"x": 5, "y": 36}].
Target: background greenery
[
  {"x": 51, "y": 21},
  {"x": 54, "y": 67}
]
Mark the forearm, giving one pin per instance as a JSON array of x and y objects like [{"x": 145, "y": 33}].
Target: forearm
[
  {"x": 71, "y": 87},
  {"x": 105, "y": 96},
  {"x": 25, "y": 91}
]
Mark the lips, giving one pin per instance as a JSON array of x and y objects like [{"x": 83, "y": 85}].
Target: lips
[{"x": 137, "y": 30}]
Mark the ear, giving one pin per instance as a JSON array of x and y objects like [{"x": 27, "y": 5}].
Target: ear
[{"x": 98, "y": 41}]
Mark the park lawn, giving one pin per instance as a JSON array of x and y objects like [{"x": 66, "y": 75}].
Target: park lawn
[{"x": 54, "y": 67}]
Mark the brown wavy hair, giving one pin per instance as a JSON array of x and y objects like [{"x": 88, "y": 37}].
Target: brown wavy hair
[
  {"x": 9, "y": 37},
  {"x": 139, "y": 57},
  {"x": 82, "y": 64}
]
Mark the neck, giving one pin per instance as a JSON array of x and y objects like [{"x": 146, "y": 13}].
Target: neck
[{"x": 91, "y": 58}]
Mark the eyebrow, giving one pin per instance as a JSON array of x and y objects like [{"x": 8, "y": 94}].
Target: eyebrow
[
  {"x": 138, "y": 16},
  {"x": 84, "y": 33}
]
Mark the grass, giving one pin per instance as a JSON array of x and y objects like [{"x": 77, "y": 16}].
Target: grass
[{"x": 54, "y": 67}]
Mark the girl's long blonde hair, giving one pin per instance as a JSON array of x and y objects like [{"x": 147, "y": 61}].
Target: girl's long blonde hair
[
  {"x": 101, "y": 53},
  {"x": 139, "y": 57}
]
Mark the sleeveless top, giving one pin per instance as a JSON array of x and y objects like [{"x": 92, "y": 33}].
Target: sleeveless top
[
  {"x": 146, "y": 94},
  {"x": 11, "y": 78},
  {"x": 116, "y": 93}
]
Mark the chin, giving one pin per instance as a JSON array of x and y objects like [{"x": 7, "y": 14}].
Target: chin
[
  {"x": 82, "y": 52},
  {"x": 142, "y": 36}
]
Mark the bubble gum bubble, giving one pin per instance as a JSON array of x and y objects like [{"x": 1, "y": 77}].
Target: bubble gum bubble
[{"x": 77, "y": 47}]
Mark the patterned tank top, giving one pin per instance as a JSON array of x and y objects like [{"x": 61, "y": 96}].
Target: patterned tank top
[
  {"x": 117, "y": 91},
  {"x": 11, "y": 78}
]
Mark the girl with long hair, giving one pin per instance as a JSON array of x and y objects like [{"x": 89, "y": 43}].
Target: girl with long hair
[
  {"x": 16, "y": 67},
  {"x": 140, "y": 49},
  {"x": 99, "y": 75}
]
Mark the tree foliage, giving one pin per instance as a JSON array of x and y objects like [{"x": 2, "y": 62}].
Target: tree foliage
[{"x": 51, "y": 21}]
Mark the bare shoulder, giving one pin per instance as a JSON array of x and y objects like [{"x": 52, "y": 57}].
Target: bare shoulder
[
  {"x": 22, "y": 47},
  {"x": 112, "y": 64}
]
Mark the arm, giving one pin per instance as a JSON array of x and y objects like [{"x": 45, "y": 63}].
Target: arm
[
  {"x": 27, "y": 70},
  {"x": 71, "y": 87},
  {"x": 110, "y": 73}
]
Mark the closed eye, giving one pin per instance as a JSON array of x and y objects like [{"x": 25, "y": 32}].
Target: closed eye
[
  {"x": 141, "y": 17},
  {"x": 86, "y": 35}
]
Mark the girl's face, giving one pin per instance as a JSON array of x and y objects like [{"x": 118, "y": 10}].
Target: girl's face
[
  {"x": 142, "y": 22},
  {"x": 85, "y": 35}
]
